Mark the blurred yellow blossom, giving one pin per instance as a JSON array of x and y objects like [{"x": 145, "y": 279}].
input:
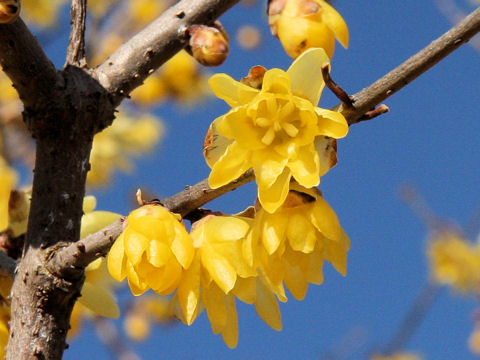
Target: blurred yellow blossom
[
  {"x": 126, "y": 137},
  {"x": 152, "y": 251},
  {"x": 4, "y": 319},
  {"x": 7, "y": 181},
  {"x": 179, "y": 78},
  {"x": 303, "y": 24},
  {"x": 145, "y": 11},
  {"x": 474, "y": 340},
  {"x": 278, "y": 130},
  {"x": 455, "y": 261},
  {"x": 41, "y": 12},
  {"x": 146, "y": 311}
]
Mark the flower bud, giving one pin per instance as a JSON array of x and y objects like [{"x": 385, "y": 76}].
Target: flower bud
[
  {"x": 208, "y": 45},
  {"x": 9, "y": 11}
]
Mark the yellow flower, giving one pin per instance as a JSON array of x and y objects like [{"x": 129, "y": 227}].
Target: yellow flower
[
  {"x": 152, "y": 251},
  {"x": 41, "y": 12},
  {"x": 397, "y": 356},
  {"x": 455, "y": 261},
  {"x": 7, "y": 181},
  {"x": 278, "y": 130},
  {"x": 303, "y": 24},
  {"x": 214, "y": 272},
  {"x": 126, "y": 137},
  {"x": 291, "y": 244}
]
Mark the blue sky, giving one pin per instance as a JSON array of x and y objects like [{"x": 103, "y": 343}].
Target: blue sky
[{"x": 427, "y": 140}]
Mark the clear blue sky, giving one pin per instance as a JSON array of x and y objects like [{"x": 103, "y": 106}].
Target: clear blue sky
[{"x": 429, "y": 139}]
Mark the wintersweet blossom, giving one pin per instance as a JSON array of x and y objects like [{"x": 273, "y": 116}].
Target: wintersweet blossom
[
  {"x": 214, "y": 272},
  {"x": 152, "y": 251},
  {"x": 7, "y": 181},
  {"x": 454, "y": 261},
  {"x": 291, "y": 244},
  {"x": 303, "y": 24},
  {"x": 278, "y": 130}
]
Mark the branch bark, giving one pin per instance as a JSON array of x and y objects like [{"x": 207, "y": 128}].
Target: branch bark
[
  {"x": 135, "y": 60},
  {"x": 76, "y": 41}
]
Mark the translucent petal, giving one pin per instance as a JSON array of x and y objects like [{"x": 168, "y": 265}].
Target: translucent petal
[
  {"x": 295, "y": 282},
  {"x": 306, "y": 167},
  {"x": 237, "y": 125},
  {"x": 158, "y": 253},
  {"x": 226, "y": 229},
  {"x": 315, "y": 268},
  {"x": 336, "y": 254},
  {"x": 213, "y": 298},
  {"x": 137, "y": 286},
  {"x": 276, "y": 81},
  {"x": 99, "y": 300},
  {"x": 164, "y": 280},
  {"x": 116, "y": 261},
  {"x": 135, "y": 245},
  {"x": 273, "y": 197},
  {"x": 234, "y": 93},
  {"x": 230, "y": 166},
  {"x": 331, "y": 123},
  {"x": 182, "y": 246},
  {"x": 325, "y": 220},
  {"x": 97, "y": 220},
  {"x": 335, "y": 22},
  {"x": 148, "y": 225},
  {"x": 306, "y": 74},
  {"x": 189, "y": 291},
  {"x": 215, "y": 143},
  {"x": 267, "y": 307},
  {"x": 230, "y": 331},
  {"x": 245, "y": 289},
  {"x": 301, "y": 234},
  {"x": 273, "y": 231},
  {"x": 219, "y": 269},
  {"x": 268, "y": 166},
  {"x": 327, "y": 150}
]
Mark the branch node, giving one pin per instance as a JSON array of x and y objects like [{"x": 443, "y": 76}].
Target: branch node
[
  {"x": 334, "y": 88},
  {"x": 381, "y": 109}
]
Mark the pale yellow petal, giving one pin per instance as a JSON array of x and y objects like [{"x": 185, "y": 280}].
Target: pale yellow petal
[
  {"x": 219, "y": 269},
  {"x": 213, "y": 299},
  {"x": 267, "y": 307},
  {"x": 273, "y": 231},
  {"x": 301, "y": 234},
  {"x": 158, "y": 253},
  {"x": 276, "y": 81},
  {"x": 215, "y": 143},
  {"x": 230, "y": 331},
  {"x": 99, "y": 300},
  {"x": 296, "y": 282},
  {"x": 325, "y": 220},
  {"x": 163, "y": 281},
  {"x": 273, "y": 197},
  {"x": 231, "y": 91},
  {"x": 245, "y": 289},
  {"x": 306, "y": 74},
  {"x": 182, "y": 246},
  {"x": 188, "y": 292},
  {"x": 331, "y": 123},
  {"x": 95, "y": 221},
  {"x": 327, "y": 150},
  {"x": 135, "y": 245},
  {"x": 336, "y": 23},
  {"x": 268, "y": 166},
  {"x": 116, "y": 261},
  {"x": 306, "y": 167},
  {"x": 230, "y": 166}
]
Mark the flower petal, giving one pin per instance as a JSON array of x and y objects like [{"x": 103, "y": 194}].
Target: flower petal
[
  {"x": 236, "y": 124},
  {"x": 325, "y": 220},
  {"x": 331, "y": 123},
  {"x": 267, "y": 307},
  {"x": 336, "y": 23},
  {"x": 301, "y": 234},
  {"x": 276, "y": 81},
  {"x": 306, "y": 167},
  {"x": 296, "y": 282},
  {"x": 215, "y": 144},
  {"x": 267, "y": 165},
  {"x": 306, "y": 74},
  {"x": 327, "y": 150},
  {"x": 230, "y": 331},
  {"x": 230, "y": 166},
  {"x": 182, "y": 246},
  {"x": 135, "y": 245},
  {"x": 234, "y": 93},
  {"x": 99, "y": 300},
  {"x": 219, "y": 269},
  {"x": 188, "y": 292},
  {"x": 116, "y": 261},
  {"x": 274, "y": 196}
]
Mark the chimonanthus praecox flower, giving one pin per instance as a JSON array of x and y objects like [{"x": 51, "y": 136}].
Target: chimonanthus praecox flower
[
  {"x": 303, "y": 24},
  {"x": 278, "y": 130},
  {"x": 152, "y": 251}
]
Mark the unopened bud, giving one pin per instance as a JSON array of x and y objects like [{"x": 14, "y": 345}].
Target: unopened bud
[
  {"x": 208, "y": 45},
  {"x": 9, "y": 10}
]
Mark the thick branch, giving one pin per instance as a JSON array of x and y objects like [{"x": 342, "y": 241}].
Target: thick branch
[
  {"x": 419, "y": 63},
  {"x": 25, "y": 63},
  {"x": 76, "y": 42},
  {"x": 135, "y": 60}
]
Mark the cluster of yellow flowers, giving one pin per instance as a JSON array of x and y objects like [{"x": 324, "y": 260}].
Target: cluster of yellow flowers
[
  {"x": 455, "y": 261},
  {"x": 228, "y": 257}
]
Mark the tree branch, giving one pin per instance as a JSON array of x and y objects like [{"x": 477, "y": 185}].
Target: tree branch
[
  {"x": 135, "y": 60},
  {"x": 7, "y": 265},
  {"x": 419, "y": 63},
  {"x": 23, "y": 60},
  {"x": 76, "y": 42}
]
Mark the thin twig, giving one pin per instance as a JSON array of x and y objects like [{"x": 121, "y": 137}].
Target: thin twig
[
  {"x": 76, "y": 42},
  {"x": 341, "y": 94}
]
